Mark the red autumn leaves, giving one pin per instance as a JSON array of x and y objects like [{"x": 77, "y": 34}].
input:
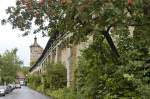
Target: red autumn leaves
[
  {"x": 130, "y": 2},
  {"x": 42, "y": 2},
  {"x": 27, "y": 2}
]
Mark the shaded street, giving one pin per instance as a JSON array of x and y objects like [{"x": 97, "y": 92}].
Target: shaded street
[{"x": 24, "y": 93}]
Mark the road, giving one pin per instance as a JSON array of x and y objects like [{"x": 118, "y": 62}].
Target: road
[{"x": 24, "y": 93}]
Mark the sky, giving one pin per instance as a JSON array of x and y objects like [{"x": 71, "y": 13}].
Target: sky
[{"x": 11, "y": 38}]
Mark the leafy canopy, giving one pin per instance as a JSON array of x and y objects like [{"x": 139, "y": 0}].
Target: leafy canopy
[
  {"x": 80, "y": 17},
  {"x": 9, "y": 65}
]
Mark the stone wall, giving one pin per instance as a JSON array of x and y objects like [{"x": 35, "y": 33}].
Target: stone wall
[{"x": 66, "y": 55}]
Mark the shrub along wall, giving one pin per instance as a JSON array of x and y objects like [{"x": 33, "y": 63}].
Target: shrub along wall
[{"x": 53, "y": 78}]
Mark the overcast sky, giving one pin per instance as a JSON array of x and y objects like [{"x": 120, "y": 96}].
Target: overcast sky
[{"x": 10, "y": 38}]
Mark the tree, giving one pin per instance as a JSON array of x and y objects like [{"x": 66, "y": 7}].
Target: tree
[
  {"x": 101, "y": 73},
  {"x": 10, "y": 63},
  {"x": 80, "y": 17},
  {"x": 98, "y": 76}
]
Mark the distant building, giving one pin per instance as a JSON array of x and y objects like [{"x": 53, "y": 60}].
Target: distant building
[
  {"x": 20, "y": 78},
  {"x": 35, "y": 52}
]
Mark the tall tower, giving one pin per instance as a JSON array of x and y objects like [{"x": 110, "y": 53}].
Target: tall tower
[{"x": 35, "y": 52}]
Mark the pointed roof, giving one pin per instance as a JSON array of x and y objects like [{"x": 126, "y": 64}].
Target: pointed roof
[{"x": 35, "y": 44}]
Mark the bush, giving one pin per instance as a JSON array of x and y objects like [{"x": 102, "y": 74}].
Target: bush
[
  {"x": 55, "y": 76},
  {"x": 64, "y": 93},
  {"x": 98, "y": 75},
  {"x": 34, "y": 81}
]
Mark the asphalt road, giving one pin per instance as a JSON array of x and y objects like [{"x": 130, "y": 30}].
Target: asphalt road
[{"x": 24, "y": 93}]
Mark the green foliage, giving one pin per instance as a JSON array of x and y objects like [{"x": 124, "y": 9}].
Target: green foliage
[
  {"x": 55, "y": 76},
  {"x": 24, "y": 70},
  {"x": 99, "y": 76},
  {"x": 94, "y": 68},
  {"x": 79, "y": 17},
  {"x": 9, "y": 65},
  {"x": 64, "y": 93},
  {"x": 99, "y": 73},
  {"x": 34, "y": 81}
]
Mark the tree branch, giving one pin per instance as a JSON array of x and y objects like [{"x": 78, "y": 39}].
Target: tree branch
[{"x": 110, "y": 41}]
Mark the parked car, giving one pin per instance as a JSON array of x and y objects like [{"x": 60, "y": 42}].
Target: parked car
[
  {"x": 2, "y": 90},
  {"x": 12, "y": 86},
  {"x": 18, "y": 86},
  {"x": 8, "y": 89}
]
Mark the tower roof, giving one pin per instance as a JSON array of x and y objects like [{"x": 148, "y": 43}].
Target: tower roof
[{"x": 35, "y": 44}]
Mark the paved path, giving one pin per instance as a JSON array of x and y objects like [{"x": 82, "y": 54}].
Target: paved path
[{"x": 24, "y": 93}]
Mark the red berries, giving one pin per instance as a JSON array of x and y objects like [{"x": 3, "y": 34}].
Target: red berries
[
  {"x": 130, "y": 2},
  {"x": 42, "y": 2}
]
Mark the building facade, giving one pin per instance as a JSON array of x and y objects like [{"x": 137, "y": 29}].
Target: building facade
[{"x": 35, "y": 52}]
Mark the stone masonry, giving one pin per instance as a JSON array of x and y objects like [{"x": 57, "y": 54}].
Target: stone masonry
[{"x": 35, "y": 51}]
